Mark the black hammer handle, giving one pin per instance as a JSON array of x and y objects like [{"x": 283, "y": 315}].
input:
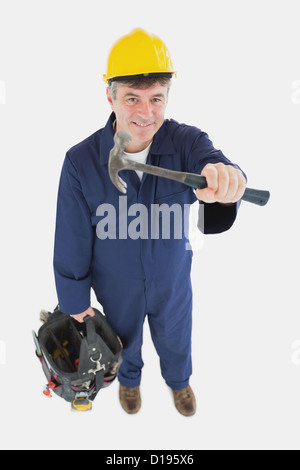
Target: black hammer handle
[{"x": 256, "y": 196}]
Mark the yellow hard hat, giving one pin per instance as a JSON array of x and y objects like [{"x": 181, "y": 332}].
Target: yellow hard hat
[{"x": 138, "y": 53}]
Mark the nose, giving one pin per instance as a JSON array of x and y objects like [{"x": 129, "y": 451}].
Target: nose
[{"x": 145, "y": 110}]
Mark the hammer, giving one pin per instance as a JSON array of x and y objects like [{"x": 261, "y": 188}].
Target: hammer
[{"x": 118, "y": 162}]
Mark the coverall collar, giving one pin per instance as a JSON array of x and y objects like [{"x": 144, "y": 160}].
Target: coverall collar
[{"x": 161, "y": 145}]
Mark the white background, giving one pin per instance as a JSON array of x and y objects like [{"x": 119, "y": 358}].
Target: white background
[{"x": 238, "y": 71}]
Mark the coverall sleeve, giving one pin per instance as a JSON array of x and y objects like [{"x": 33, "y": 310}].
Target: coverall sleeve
[
  {"x": 217, "y": 217},
  {"x": 74, "y": 236}
]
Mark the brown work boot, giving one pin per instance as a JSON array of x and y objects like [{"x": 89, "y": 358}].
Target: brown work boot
[
  {"x": 130, "y": 399},
  {"x": 185, "y": 401}
]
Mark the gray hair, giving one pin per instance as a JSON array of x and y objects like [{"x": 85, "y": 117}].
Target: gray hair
[{"x": 139, "y": 83}]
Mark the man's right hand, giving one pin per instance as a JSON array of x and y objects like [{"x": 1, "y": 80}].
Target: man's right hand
[{"x": 80, "y": 316}]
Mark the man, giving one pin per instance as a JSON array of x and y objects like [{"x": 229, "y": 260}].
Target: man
[{"x": 138, "y": 276}]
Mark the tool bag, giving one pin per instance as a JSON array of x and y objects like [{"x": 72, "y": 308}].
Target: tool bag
[{"x": 78, "y": 359}]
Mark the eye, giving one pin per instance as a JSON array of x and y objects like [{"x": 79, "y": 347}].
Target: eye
[{"x": 132, "y": 100}]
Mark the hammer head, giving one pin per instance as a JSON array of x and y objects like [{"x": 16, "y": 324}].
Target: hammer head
[{"x": 116, "y": 161}]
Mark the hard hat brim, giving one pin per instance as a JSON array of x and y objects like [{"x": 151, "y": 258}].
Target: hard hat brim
[{"x": 140, "y": 75}]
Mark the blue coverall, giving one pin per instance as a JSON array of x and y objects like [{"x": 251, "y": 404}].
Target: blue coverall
[{"x": 133, "y": 278}]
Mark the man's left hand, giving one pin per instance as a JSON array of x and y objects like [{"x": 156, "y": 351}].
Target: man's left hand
[{"x": 225, "y": 184}]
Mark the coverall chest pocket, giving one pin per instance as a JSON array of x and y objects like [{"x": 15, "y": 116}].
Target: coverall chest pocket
[{"x": 185, "y": 196}]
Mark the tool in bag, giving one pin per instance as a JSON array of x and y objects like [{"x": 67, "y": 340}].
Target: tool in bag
[{"x": 78, "y": 359}]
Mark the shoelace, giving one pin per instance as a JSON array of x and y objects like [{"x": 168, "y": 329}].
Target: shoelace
[
  {"x": 131, "y": 392},
  {"x": 183, "y": 394}
]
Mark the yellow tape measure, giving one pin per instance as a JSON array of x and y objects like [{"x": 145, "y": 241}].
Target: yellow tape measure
[{"x": 81, "y": 404}]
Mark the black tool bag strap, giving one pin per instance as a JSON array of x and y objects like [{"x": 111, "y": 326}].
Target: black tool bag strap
[
  {"x": 99, "y": 379},
  {"x": 91, "y": 337},
  {"x": 94, "y": 353},
  {"x": 96, "y": 356}
]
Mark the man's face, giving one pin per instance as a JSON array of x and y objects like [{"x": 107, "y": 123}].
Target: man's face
[{"x": 139, "y": 112}]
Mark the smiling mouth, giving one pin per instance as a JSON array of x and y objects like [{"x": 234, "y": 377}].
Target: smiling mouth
[{"x": 142, "y": 125}]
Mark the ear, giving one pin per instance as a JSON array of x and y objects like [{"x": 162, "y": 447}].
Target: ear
[{"x": 109, "y": 98}]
